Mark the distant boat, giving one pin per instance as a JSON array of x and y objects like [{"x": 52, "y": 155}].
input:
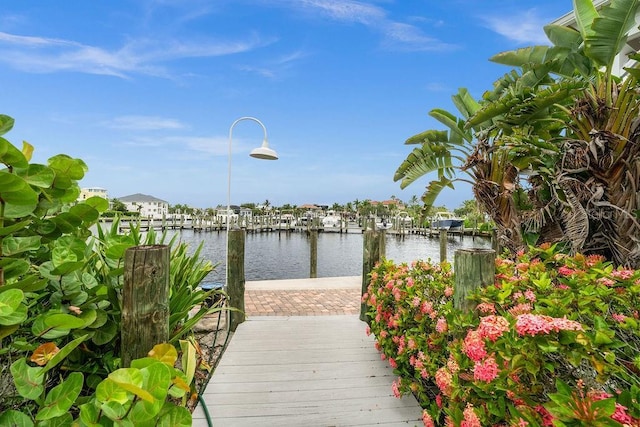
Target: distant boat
[
  {"x": 445, "y": 221},
  {"x": 332, "y": 220},
  {"x": 382, "y": 224}
]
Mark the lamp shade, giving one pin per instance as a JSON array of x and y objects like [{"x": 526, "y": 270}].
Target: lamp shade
[{"x": 264, "y": 152}]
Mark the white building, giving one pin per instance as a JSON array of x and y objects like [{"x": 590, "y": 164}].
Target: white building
[
  {"x": 88, "y": 192},
  {"x": 148, "y": 206}
]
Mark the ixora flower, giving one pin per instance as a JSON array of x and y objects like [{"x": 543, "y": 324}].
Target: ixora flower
[
  {"x": 530, "y": 328},
  {"x": 486, "y": 370},
  {"x": 535, "y": 324},
  {"x": 492, "y": 327},
  {"x": 474, "y": 346}
]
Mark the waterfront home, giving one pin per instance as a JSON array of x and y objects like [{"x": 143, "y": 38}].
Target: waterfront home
[
  {"x": 88, "y": 192},
  {"x": 147, "y": 206}
]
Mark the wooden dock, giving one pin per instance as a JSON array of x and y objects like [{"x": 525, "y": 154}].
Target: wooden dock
[{"x": 309, "y": 371}]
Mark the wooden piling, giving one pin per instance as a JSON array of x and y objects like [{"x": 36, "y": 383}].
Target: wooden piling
[
  {"x": 473, "y": 268},
  {"x": 235, "y": 278},
  {"x": 313, "y": 254},
  {"x": 443, "y": 245},
  {"x": 145, "y": 301},
  {"x": 373, "y": 252}
]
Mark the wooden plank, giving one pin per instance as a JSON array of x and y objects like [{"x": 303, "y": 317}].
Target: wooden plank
[{"x": 304, "y": 371}]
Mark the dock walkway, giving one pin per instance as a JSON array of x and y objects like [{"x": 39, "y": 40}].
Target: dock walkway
[{"x": 316, "y": 368}]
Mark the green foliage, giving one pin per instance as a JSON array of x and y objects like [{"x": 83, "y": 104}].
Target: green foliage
[
  {"x": 60, "y": 297},
  {"x": 554, "y": 339}
]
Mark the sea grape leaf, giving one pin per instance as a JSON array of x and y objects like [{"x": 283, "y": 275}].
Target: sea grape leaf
[
  {"x": 28, "y": 380},
  {"x": 60, "y": 399}
]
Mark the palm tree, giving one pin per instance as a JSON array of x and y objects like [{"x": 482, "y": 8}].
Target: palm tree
[
  {"x": 553, "y": 149},
  {"x": 583, "y": 189}
]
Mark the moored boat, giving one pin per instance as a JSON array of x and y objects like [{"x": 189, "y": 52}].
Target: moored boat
[{"x": 446, "y": 221}]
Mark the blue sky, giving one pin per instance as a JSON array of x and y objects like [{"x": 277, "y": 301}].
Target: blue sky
[{"x": 144, "y": 91}]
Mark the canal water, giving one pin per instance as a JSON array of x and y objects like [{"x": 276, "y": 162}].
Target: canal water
[{"x": 272, "y": 256}]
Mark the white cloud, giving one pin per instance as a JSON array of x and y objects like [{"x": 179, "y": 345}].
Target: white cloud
[
  {"x": 525, "y": 27},
  {"x": 145, "y": 123},
  {"x": 275, "y": 68},
  {"x": 409, "y": 37},
  {"x": 396, "y": 35},
  {"x": 137, "y": 57}
]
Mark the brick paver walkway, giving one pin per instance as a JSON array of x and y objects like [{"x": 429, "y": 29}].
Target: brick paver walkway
[{"x": 316, "y": 302}]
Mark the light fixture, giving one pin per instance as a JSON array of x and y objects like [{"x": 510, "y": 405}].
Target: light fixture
[{"x": 264, "y": 153}]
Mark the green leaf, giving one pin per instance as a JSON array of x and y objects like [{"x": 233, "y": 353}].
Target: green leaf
[
  {"x": 174, "y": 416},
  {"x": 60, "y": 399},
  {"x": 9, "y": 229},
  {"x": 19, "y": 198},
  {"x": 67, "y": 222},
  {"x": 189, "y": 359},
  {"x": 68, "y": 167},
  {"x": 109, "y": 391},
  {"x": 609, "y": 31},
  {"x": 63, "y": 321},
  {"x": 64, "y": 420},
  {"x": 6, "y": 124},
  {"x": 10, "y": 300},
  {"x": 14, "y": 267},
  {"x": 63, "y": 353},
  {"x": 13, "y": 418},
  {"x": 14, "y": 245},
  {"x": 85, "y": 212},
  {"x": 28, "y": 380},
  {"x": 37, "y": 175},
  {"x": 5, "y": 331},
  {"x": 98, "y": 203},
  {"x": 18, "y": 316},
  {"x": 157, "y": 383},
  {"x": 11, "y": 156},
  {"x": 105, "y": 333}
]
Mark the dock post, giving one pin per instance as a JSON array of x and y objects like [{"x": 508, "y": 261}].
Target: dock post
[
  {"x": 443, "y": 245},
  {"x": 235, "y": 278},
  {"x": 145, "y": 301},
  {"x": 313, "y": 254},
  {"x": 373, "y": 252},
  {"x": 473, "y": 268}
]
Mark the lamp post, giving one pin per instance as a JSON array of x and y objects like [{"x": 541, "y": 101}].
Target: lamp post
[{"x": 263, "y": 152}]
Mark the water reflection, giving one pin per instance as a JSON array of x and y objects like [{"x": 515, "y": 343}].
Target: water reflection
[{"x": 272, "y": 256}]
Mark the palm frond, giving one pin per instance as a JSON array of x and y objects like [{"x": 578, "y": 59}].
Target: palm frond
[
  {"x": 424, "y": 160},
  {"x": 610, "y": 30},
  {"x": 431, "y": 135},
  {"x": 465, "y": 103},
  {"x": 457, "y": 133},
  {"x": 434, "y": 189},
  {"x": 563, "y": 36},
  {"x": 585, "y": 13}
]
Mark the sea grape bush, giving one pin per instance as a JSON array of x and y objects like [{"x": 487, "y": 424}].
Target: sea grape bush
[
  {"x": 553, "y": 342},
  {"x": 60, "y": 296}
]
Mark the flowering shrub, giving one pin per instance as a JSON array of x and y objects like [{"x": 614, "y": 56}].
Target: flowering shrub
[{"x": 554, "y": 341}]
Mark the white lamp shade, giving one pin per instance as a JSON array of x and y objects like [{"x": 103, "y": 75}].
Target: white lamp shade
[{"x": 264, "y": 152}]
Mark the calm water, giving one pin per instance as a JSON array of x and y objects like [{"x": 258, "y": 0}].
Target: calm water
[{"x": 271, "y": 256}]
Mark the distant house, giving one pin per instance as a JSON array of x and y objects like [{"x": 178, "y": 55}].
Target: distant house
[
  {"x": 148, "y": 206},
  {"x": 88, "y": 192}
]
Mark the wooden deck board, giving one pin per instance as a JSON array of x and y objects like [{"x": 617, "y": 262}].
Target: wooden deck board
[{"x": 304, "y": 371}]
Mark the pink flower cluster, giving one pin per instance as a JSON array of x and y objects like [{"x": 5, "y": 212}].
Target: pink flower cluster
[
  {"x": 470, "y": 417},
  {"x": 492, "y": 327},
  {"x": 426, "y": 419},
  {"x": 444, "y": 381},
  {"x": 486, "y": 370},
  {"x": 536, "y": 324},
  {"x": 474, "y": 346}
]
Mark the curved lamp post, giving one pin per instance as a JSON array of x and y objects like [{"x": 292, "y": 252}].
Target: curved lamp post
[{"x": 263, "y": 152}]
